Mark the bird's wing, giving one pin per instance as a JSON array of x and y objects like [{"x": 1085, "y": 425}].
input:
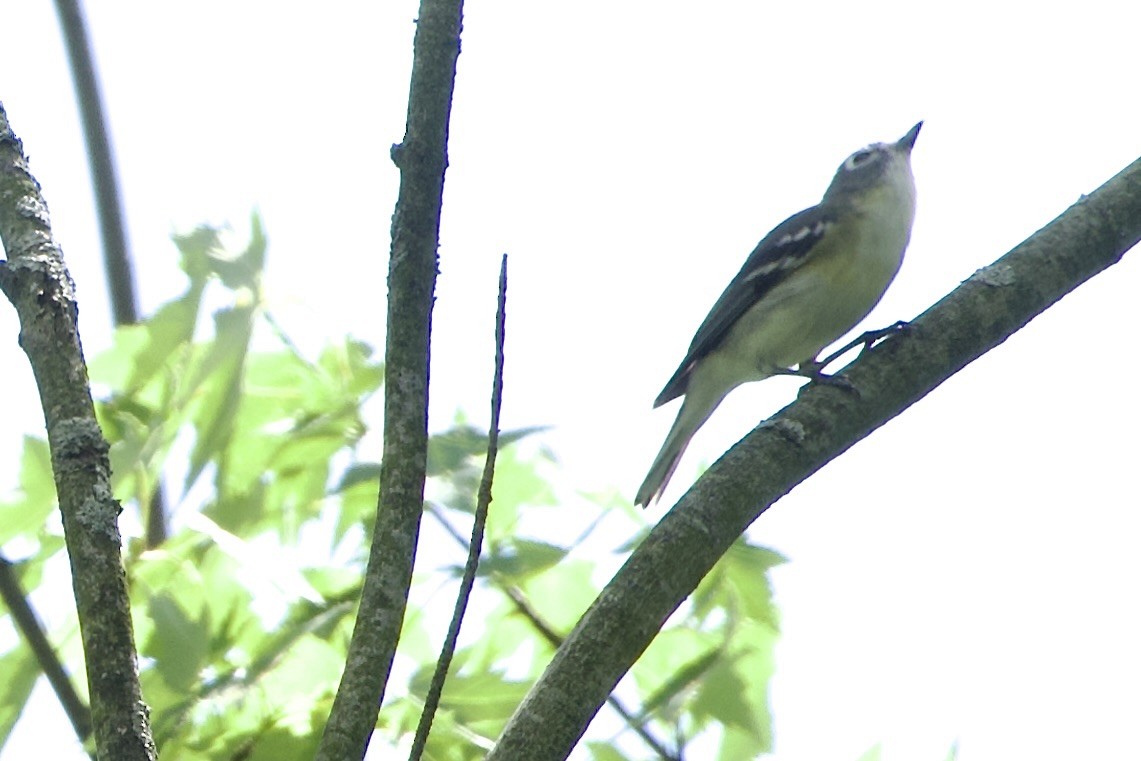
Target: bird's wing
[{"x": 779, "y": 253}]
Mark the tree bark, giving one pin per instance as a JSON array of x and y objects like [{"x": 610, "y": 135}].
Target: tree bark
[
  {"x": 422, "y": 160},
  {"x": 36, "y": 281}
]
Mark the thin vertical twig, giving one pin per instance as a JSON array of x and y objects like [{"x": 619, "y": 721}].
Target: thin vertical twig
[{"x": 436, "y": 687}]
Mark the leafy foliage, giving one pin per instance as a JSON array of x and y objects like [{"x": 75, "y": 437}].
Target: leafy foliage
[{"x": 243, "y": 616}]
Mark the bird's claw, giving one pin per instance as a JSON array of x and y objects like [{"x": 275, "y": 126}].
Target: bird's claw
[{"x": 836, "y": 381}]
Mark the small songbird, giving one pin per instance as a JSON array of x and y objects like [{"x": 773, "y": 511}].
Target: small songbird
[{"x": 807, "y": 283}]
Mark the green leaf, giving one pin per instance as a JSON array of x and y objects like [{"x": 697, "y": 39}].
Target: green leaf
[
  {"x": 28, "y": 510},
  {"x": 604, "y": 751},
  {"x": 349, "y": 364},
  {"x": 450, "y": 450},
  {"x": 241, "y": 514},
  {"x": 521, "y": 559},
  {"x": 720, "y": 695},
  {"x": 358, "y": 473},
  {"x": 168, "y": 706},
  {"x": 18, "y": 674},
  {"x": 30, "y": 570},
  {"x": 485, "y": 698},
  {"x": 220, "y": 370},
  {"x": 196, "y": 248},
  {"x": 334, "y": 583},
  {"x": 284, "y": 744},
  {"x": 452, "y": 741},
  {"x": 505, "y": 633},
  {"x": 308, "y": 669},
  {"x": 563, "y": 595},
  {"x": 680, "y": 677},
  {"x": 140, "y": 354},
  {"x": 358, "y": 507},
  {"x": 518, "y": 485},
  {"x": 657, "y": 671},
  {"x": 242, "y": 271},
  {"x": 178, "y": 643},
  {"x": 737, "y": 744},
  {"x": 739, "y": 583},
  {"x": 735, "y": 692}
]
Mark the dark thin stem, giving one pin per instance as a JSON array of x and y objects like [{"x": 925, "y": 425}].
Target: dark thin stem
[
  {"x": 156, "y": 518},
  {"x": 116, "y": 257},
  {"x": 108, "y": 205},
  {"x": 483, "y": 502},
  {"x": 28, "y": 623}
]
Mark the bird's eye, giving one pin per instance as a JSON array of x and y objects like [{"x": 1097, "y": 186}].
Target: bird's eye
[{"x": 860, "y": 158}]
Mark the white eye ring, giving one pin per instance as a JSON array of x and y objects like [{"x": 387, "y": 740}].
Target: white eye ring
[{"x": 860, "y": 158}]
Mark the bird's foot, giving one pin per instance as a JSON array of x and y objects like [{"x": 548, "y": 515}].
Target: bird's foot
[
  {"x": 814, "y": 371},
  {"x": 865, "y": 341},
  {"x": 836, "y": 381}
]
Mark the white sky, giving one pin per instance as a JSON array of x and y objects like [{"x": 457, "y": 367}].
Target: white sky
[{"x": 964, "y": 573}]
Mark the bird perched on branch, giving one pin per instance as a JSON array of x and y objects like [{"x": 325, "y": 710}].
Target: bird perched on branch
[{"x": 807, "y": 283}]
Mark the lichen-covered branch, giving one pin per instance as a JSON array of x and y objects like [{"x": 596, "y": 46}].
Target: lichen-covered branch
[
  {"x": 422, "y": 159},
  {"x": 36, "y": 281}
]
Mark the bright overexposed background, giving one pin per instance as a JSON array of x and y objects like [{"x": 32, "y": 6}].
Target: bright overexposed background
[{"x": 965, "y": 574}]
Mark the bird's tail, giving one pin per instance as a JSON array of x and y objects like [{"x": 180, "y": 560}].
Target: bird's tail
[{"x": 690, "y": 417}]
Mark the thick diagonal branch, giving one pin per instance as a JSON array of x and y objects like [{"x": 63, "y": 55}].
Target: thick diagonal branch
[{"x": 785, "y": 450}]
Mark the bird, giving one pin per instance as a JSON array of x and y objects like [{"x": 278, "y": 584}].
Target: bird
[{"x": 806, "y": 284}]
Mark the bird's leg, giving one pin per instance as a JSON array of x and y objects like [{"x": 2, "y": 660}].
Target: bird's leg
[
  {"x": 813, "y": 369},
  {"x": 868, "y": 340}
]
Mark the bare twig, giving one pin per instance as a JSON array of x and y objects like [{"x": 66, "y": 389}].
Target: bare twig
[
  {"x": 422, "y": 160},
  {"x": 436, "y": 686},
  {"x": 35, "y": 279}
]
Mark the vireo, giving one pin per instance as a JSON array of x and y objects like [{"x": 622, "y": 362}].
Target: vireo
[{"x": 807, "y": 283}]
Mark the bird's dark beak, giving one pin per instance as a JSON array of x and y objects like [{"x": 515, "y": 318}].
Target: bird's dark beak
[{"x": 907, "y": 142}]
